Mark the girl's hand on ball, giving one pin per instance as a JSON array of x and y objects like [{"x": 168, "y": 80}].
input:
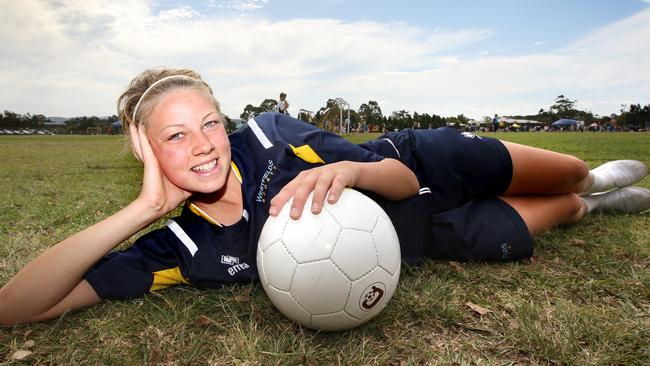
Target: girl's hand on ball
[{"x": 327, "y": 181}]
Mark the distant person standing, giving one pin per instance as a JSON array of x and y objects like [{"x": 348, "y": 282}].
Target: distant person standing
[
  {"x": 495, "y": 123},
  {"x": 283, "y": 105}
]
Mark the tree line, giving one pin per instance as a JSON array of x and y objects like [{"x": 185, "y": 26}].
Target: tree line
[
  {"x": 632, "y": 116},
  {"x": 368, "y": 117},
  {"x": 75, "y": 125}
]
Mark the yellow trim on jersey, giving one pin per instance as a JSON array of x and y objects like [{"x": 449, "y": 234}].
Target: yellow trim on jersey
[
  {"x": 197, "y": 211},
  {"x": 306, "y": 153},
  {"x": 166, "y": 278},
  {"x": 236, "y": 170}
]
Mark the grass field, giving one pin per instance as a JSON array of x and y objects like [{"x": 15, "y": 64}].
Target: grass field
[{"x": 583, "y": 299}]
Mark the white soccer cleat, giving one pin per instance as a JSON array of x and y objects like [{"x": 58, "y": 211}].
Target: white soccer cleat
[
  {"x": 626, "y": 199},
  {"x": 616, "y": 174},
  {"x": 622, "y": 173}
]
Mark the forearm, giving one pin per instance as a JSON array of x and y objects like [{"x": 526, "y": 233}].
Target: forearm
[
  {"x": 389, "y": 178},
  {"x": 54, "y": 273}
]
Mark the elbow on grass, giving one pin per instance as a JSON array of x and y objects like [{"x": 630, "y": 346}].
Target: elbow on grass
[{"x": 6, "y": 318}]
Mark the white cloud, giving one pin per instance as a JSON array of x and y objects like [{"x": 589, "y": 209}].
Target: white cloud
[
  {"x": 246, "y": 58},
  {"x": 238, "y": 5},
  {"x": 184, "y": 12},
  {"x": 70, "y": 58}
]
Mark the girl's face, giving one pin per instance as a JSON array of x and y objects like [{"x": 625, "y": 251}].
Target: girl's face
[{"x": 189, "y": 140}]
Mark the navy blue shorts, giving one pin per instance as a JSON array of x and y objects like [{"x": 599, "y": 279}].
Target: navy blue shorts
[{"x": 457, "y": 214}]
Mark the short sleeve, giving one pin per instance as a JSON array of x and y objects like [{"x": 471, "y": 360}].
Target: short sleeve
[
  {"x": 298, "y": 134},
  {"x": 149, "y": 265}
]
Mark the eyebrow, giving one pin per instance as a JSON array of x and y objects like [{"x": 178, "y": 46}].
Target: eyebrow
[
  {"x": 213, "y": 112},
  {"x": 181, "y": 124}
]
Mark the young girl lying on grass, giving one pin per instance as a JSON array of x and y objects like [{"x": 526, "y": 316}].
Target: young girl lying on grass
[{"x": 449, "y": 194}]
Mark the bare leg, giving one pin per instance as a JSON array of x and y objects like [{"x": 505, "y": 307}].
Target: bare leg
[
  {"x": 541, "y": 213},
  {"x": 537, "y": 170}
]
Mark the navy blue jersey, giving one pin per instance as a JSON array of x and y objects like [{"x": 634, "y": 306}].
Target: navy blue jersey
[{"x": 267, "y": 153}]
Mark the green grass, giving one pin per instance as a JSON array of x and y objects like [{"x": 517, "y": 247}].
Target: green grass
[{"x": 584, "y": 299}]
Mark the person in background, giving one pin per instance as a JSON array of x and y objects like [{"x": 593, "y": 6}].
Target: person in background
[{"x": 283, "y": 105}]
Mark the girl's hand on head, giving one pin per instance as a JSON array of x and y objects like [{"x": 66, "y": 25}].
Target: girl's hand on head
[
  {"x": 157, "y": 191},
  {"x": 325, "y": 181}
]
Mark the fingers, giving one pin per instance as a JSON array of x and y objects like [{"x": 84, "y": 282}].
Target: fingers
[
  {"x": 135, "y": 141},
  {"x": 338, "y": 185},
  {"x": 140, "y": 144},
  {"x": 145, "y": 148},
  {"x": 301, "y": 194},
  {"x": 320, "y": 191},
  {"x": 325, "y": 182},
  {"x": 281, "y": 198},
  {"x": 299, "y": 188},
  {"x": 148, "y": 158},
  {"x": 299, "y": 200}
]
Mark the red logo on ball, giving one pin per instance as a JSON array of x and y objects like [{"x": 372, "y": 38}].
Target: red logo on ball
[{"x": 371, "y": 295}]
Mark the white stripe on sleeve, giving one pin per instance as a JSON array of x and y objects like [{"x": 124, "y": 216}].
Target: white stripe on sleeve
[
  {"x": 393, "y": 145},
  {"x": 182, "y": 236},
  {"x": 259, "y": 134}
]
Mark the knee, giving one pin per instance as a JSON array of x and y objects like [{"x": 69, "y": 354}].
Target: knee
[
  {"x": 5, "y": 318},
  {"x": 575, "y": 207},
  {"x": 577, "y": 170}
]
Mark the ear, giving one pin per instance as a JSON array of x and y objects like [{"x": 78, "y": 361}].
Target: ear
[{"x": 134, "y": 135}]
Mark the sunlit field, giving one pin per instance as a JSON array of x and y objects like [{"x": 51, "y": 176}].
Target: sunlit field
[{"x": 584, "y": 298}]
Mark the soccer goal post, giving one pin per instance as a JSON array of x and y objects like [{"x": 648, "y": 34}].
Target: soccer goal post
[{"x": 93, "y": 131}]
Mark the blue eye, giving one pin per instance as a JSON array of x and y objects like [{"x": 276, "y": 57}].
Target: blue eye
[
  {"x": 175, "y": 137},
  {"x": 211, "y": 124}
]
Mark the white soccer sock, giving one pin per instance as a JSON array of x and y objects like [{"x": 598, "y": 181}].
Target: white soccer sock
[
  {"x": 591, "y": 203},
  {"x": 602, "y": 182}
]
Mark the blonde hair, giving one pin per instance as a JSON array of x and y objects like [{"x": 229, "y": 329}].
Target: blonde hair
[{"x": 146, "y": 88}]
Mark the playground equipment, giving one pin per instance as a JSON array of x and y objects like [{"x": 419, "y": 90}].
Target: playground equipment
[
  {"x": 307, "y": 113},
  {"x": 343, "y": 104}
]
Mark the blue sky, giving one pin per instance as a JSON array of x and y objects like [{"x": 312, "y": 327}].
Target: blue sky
[
  {"x": 73, "y": 57},
  {"x": 518, "y": 26}
]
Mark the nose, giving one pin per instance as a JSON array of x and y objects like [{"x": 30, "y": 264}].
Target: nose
[{"x": 202, "y": 144}]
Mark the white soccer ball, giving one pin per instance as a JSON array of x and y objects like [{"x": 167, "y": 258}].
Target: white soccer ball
[{"x": 331, "y": 271}]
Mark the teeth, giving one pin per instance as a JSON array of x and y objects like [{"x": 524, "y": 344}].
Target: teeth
[{"x": 205, "y": 167}]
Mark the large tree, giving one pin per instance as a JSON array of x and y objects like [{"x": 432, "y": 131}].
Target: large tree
[
  {"x": 427, "y": 121},
  {"x": 370, "y": 114},
  {"x": 401, "y": 120},
  {"x": 457, "y": 121},
  {"x": 251, "y": 111},
  {"x": 329, "y": 116},
  {"x": 635, "y": 116},
  {"x": 564, "y": 107}
]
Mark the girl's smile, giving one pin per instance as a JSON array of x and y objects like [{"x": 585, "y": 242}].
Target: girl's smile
[{"x": 205, "y": 168}]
